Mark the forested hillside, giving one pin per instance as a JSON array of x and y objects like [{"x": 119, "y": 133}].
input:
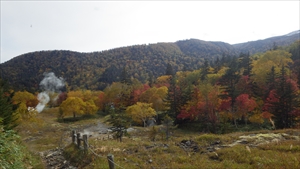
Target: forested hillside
[
  {"x": 235, "y": 93},
  {"x": 95, "y": 70},
  {"x": 260, "y": 90},
  {"x": 266, "y": 44}
]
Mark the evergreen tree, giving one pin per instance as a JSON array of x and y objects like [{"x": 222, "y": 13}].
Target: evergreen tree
[
  {"x": 229, "y": 81},
  {"x": 275, "y": 46},
  {"x": 245, "y": 63},
  {"x": 173, "y": 99},
  {"x": 287, "y": 101},
  {"x": 150, "y": 81},
  {"x": 124, "y": 77},
  {"x": 271, "y": 84},
  {"x": 211, "y": 63},
  {"x": 110, "y": 75},
  {"x": 119, "y": 121},
  {"x": 204, "y": 70},
  {"x": 295, "y": 51},
  {"x": 169, "y": 70},
  {"x": 218, "y": 65},
  {"x": 7, "y": 109},
  {"x": 223, "y": 58},
  {"x": 185, "y": 67}
]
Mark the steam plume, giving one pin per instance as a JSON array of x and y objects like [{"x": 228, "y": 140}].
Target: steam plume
[{"x": 50, "y": 84}]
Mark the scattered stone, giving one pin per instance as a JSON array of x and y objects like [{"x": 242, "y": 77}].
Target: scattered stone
[
  {"x": 149, "y": 147},
  {"x": 54, "y": 159},
  {"x": 189, "y": 145}
]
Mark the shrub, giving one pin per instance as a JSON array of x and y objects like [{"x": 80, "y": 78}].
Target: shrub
[{"x": 13, "y": 154}]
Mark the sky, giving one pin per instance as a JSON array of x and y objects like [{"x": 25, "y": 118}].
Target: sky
[{"x": 88, "y": 26}]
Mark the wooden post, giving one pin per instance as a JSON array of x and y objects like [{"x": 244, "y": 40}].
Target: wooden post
[
  {"x": 85, "y": 142},
  {"x": 111, "y": 163},
  {"x": 73, "y": 136},
  {"x": 78, "y": 140}
]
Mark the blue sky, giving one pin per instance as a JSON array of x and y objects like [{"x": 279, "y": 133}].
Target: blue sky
[{"x": 87, "y": 26}]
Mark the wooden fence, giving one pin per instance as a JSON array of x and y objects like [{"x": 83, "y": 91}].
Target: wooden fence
[{"x": 77, "y": 139}]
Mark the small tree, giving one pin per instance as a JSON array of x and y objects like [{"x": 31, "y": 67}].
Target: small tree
[
  {"x": 153, "y": 133},
  {"x": 140, "y": 112},
  {"x": 119, "y": 121},
  {"x": 168, "y": 122}
]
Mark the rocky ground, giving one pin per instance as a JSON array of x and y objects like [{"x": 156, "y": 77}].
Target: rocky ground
[
  {"x": 250, "y": 141},
  {"x": 54, "y": 159}
]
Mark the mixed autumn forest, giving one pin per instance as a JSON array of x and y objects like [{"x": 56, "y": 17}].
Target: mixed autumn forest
[{"x": 210, "y": 87}]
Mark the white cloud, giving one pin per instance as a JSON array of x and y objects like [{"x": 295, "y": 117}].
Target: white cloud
[{"x": 99, "y": 25}]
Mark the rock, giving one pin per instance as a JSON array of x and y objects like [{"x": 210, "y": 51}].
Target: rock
[
  {"x": 213, "y": 156},
  {"x": 189, "y": 145},
  {"x": 55, "y": 160},
  {"x": 216, "y": 142},
  {"x": 243, "y": 141},
  {"x": 148, "y": 147},
  {"x": 130, "y": 129},
  {"x": 210, "y": 149},
  {"x": 275, "y": 140},
  {"x": 248, "y": 149}
]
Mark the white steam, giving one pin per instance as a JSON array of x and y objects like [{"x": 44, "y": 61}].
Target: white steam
[
  {"x": 43, "y": 99},
  {"x": 50, "y": 84}
]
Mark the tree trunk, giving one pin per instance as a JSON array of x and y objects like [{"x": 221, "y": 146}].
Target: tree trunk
[
  {"x": 235, "y": 122},
  {"x": 121, "y": 135}
]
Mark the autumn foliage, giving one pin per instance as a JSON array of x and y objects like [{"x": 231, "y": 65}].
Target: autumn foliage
[{"x": 259, "y": 89}]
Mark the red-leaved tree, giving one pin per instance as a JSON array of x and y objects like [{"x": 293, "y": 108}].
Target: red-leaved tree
[{"x": 244, "y": 106}]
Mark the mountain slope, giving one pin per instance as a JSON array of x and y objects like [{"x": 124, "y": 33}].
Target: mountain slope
[
  {"x": 96, "y": 70},
  {"x": 204, "y": 49}
]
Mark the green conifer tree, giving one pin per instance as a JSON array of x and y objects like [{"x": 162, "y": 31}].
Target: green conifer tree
[{"x": 7, "y": 109}]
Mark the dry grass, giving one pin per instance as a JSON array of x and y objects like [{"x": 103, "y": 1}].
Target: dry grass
[
  {"x": 138, "y": 151},
  {"x": 142, "y": 153}
]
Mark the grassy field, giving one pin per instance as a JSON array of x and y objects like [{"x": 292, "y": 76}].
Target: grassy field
[{"x": 184, "y": 149}]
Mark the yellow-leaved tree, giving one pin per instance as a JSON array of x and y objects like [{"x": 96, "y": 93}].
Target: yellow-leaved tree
[
  {"x": 140, "y": 112},
  {"x": 72, "y": 106},
  {"x": 27, "y": 114},
  {"x": 25, "y": 97},
  {"x": 264, "y": 63},
  {"x": 90, "y": 107}
]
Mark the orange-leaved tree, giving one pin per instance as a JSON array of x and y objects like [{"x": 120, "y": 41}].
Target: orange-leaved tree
[{"x": 155, "y": 96}]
